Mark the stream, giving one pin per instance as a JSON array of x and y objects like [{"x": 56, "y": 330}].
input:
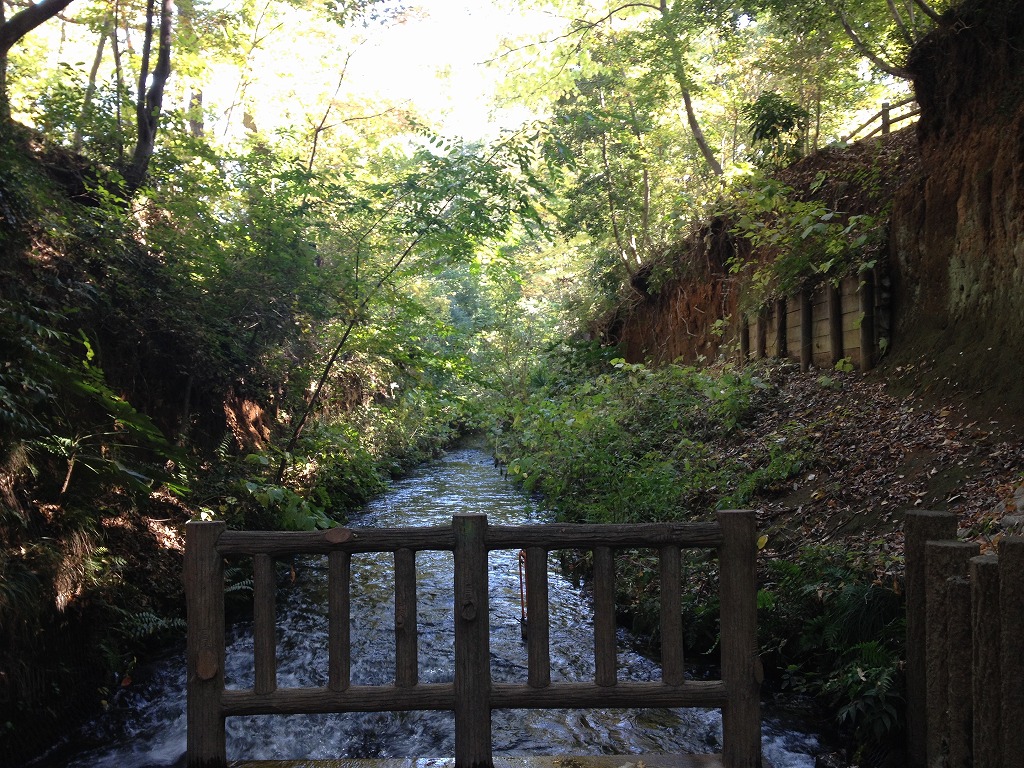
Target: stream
[{"x": 145, "y": 724}]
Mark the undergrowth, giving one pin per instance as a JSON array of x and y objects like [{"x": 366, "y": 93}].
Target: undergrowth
[{"x": 632, "y": 444}]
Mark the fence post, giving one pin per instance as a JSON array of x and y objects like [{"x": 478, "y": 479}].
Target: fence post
[
  {"x": 744, "y": 340},
  {"x": 781, "y": 330},
  {"x": 959, "y": 653},
  {"x": 204, "y": 599},
  {"x": 1011, "y": 657},
  {"x": 761, "y": 342},
  {"x": 943, "y": 560},
  {"x": 741, "y": 716},
  {"x": 835, "y": 322},
  {"x": 886, "y": 122},
  {"x": 985, "y": 679},
  {"x": 472, "y": 644},
  {"x": 920, "y": 526}
]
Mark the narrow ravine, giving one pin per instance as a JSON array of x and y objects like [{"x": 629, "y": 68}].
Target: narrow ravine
[{"x": 145, "y": 725}]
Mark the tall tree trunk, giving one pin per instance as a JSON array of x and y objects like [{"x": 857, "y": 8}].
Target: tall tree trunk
[
  {"x": 679, "y": 74},
  {"x": 150, "y": 101},
  {"x": 90, "y": 89}
]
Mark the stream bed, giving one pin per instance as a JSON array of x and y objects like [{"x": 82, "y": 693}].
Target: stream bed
[{"x": 145, "y": 724}]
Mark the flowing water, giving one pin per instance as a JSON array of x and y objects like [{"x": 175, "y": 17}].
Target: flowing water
[{"x": 145, "y": 727}]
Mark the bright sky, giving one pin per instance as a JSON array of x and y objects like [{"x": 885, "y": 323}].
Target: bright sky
[{"x": 409, "y": 61}]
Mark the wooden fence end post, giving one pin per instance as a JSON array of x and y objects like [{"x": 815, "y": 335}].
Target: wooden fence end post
[
  {"x": 920, "y": 526},
  {"x": 1011, "y": 657},
  {"x": 204, "y": 598},
  {"x": 943, "y": 560},
  {"x": 741, "y": 716},
  {"x": 985, "y": 679}
]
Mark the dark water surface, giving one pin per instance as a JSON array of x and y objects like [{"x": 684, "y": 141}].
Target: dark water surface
[{"x": 145, "y": 726}]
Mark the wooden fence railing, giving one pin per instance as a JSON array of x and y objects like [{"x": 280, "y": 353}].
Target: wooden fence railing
[
  {"x": 473, "y": 695},
  {"x": 884, "y": 119}
]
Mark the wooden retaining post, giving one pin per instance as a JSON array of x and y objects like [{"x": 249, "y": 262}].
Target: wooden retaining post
[
  {"x": 806, "y": 329},
  {"x": 920, "y": 526},
  {"x": 472, "y": 644},
  {"x": 1011, "y": 657},
  {"x": 959, "y": 655},
  {"x": 985, "y": 679},
  {"x": 761, "y": 342},
  {"x": 943, "y": 560},
  {"x": 867, "y": 320},
  {"x": 204, "y": 599},
  {"x": 744, "y": 340},
  {"x": 741, "y": 716}
]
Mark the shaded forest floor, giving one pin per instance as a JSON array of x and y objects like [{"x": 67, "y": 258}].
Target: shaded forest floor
[{"x": 876, "y": 452}]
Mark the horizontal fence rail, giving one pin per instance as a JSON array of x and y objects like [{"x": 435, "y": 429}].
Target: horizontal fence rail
[{"x": 472, "y": 695}]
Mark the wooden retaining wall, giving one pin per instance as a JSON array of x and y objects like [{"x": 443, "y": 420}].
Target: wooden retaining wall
[
  {"x": 473, "y": 695},
  {"x": 822, "y": 326},
  {"x": 965, "y": 648}
]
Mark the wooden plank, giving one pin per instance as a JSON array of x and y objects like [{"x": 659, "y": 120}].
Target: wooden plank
[
  {"x": 672, "y": 671},
  {"x": 835, "y": 323},
  {"x": 204, "y": 599},
  {"x": 538, "y": 624},
  {"x": 605, "y": 645},
  {"x": 339, "y": 575},
  {"x": 741, "y": 717},
  {"x": 694, "y": 693},
  {"x": 761, "y": 340},
  {"x": 867, "y": 323},
  {"x": 443, "y": 697},
  {"x": 781, "y": 317},
  {"x": 406, "y": 659},
  {"x": 264, "y": 623},
  {"x": 472, "y": 644},
  {"x": 588, "y": 536},
  {"x": 806, "y": 330},
  {"x": 285, "y": 543},
  {"x": 744, "y": 339},
  {"x": 556, "y": 536}
]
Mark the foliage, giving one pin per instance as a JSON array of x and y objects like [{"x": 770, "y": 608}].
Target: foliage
[
  {"x": 774, "y": 121},
  {"x": 833, "y": 620},
  {"x": 796, "y": 242},
  {"x": 630, "y": 444}
]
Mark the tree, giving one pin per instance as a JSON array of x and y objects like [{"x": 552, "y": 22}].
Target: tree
[{"x": 14, "y": 29}]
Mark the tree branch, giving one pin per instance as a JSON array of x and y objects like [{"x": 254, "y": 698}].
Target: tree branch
[
  {"x": 866, "y": 51},
  {"x": 24, "y": 21}
]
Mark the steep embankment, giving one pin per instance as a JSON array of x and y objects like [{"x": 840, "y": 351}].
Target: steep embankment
[
  {"x": 957, "y": 234},
  {"x": 951, "y": 191}
]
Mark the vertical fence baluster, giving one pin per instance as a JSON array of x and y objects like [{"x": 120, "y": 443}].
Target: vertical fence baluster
[
  {"x": 204, "y": 596},
  {"x": 339, "y": 571},
  {"x": 672, "y": 671},
  {"x": 406, "y": 657},
  {"x": 472, "y": 644},
  {"x": 605, "y": 646},
  {"x": 538, "y": 626},
  {"x": 264, "y": 624}
]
